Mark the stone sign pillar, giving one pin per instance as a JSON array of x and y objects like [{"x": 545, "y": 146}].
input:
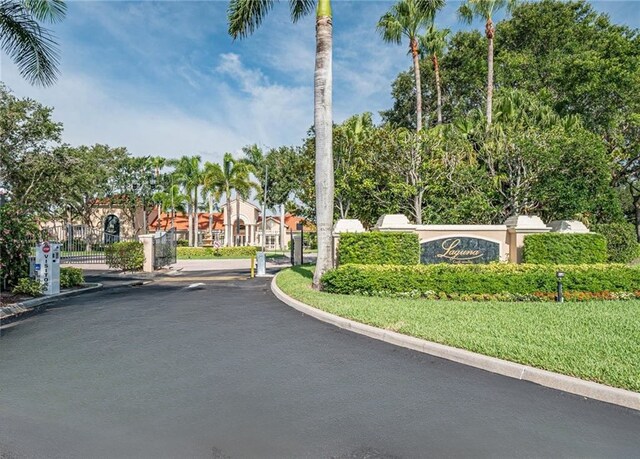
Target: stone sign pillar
[
  {"x": 148, "y": 243},
  {"x": 518, "y": 227},
  {"x": 343, "y": 226}
]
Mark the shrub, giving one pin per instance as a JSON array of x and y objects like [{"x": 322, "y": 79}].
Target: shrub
[
  {"x": 380, "y": 248},
  {"x": 27, "y": 286},
  {"x": 182, "y": 243},
  {"x": 565, "y": 248},
  {"x": 211, "y": 252},
  {"x": 622, "y": 242},
  {"x": 71, "y": 277},
  {"x": 424, "y": 280},
  {"x": 18, "y": 232},
  {"x": 127, "y": 256}
]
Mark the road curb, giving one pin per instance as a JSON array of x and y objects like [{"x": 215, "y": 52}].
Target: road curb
[
  {"x": 12, "y": 311},
  {"x": 545, "y": 378}
]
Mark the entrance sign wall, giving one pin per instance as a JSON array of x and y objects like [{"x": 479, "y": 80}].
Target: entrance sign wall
[
  {"x": 464, "y": 243},
  {"x": 468, "y": 243}
]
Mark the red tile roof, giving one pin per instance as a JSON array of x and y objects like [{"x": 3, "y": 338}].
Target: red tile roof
[{"x": 181, "y": 222}]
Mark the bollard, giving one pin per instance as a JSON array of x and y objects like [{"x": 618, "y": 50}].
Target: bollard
[{"x": 253, "y": 266}]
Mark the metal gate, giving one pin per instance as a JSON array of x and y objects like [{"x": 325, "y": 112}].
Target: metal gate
[
  {"x": 164, "y": 247},
  {"x": 79, "y": 244}
]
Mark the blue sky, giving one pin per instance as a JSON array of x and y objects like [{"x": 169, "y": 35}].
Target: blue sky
[{"x": 164, "y": 78}]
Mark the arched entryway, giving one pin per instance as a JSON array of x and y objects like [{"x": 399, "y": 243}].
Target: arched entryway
[{"x": 239, "y": 237}]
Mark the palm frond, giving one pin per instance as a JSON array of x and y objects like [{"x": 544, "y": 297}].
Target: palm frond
[
  {"x": 300, "y": 8},
  {"x": 465, "y": 13},
  {"x": 245, "y": 16},
  {"x": 390, "y": 28},
  {"x": 29, "y": 45},
  {"x": 46, "y": 10}
]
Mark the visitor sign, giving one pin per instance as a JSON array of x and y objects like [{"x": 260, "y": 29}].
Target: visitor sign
[{"x": 48, "y": 267}]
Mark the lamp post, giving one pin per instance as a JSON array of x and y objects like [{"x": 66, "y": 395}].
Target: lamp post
[{"x": 560, "y": 297}]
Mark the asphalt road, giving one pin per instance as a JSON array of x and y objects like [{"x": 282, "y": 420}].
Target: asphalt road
[{"x": 227, "y": 371}]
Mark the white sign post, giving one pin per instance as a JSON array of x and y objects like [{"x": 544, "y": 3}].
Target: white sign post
[{"x": 48, "y": 267}]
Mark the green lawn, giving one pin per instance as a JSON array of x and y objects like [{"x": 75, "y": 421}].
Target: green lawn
[
  {"x": 597, "y": 340},
  {"x": 204, "y": 256}
]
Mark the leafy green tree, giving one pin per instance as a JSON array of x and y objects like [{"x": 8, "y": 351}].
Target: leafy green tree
[
  {"x": 31, "y": 46},
  {"x": 432, "y": 45},
  {"x": 130, "y": 188},
  {"x": 18, "y": 231},
  {"x": 85, "y": 181},
  {"x": 407, "y": 18},
  {"x": 244, "y": 17},
  {"x": 485, "y": 10}
]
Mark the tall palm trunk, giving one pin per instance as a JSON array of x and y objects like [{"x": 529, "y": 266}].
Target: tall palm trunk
[
  {"x": 416, "y": 70},
  {"x": 195, "y": 217},
  {"x": 210, "y": 216},
  {"x": 190, "y": 223},
  {"x": 322, "y": 112},
  {"x": 436, "y": 67},
  {"x": 237, "y": 242},
  {"x": 490, "y": 31},
  {"x": 229, "y": 232}
]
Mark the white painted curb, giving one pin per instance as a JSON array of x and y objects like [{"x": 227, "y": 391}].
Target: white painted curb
[{"x": 545, "y": 378}]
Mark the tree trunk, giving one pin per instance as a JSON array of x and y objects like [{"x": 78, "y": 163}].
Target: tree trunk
[
  {"x": 436, "y": 67},
  {"x": 190, "y": 222},
  {"x": 237, "y": 241},
  {"x": 195, "y": 217},
  {"x": 210, "y": 216},
  {"x": 323, "y": 81},
  {"x": 636, "y": 208},
  {"x": 490, "y": 33},
  {"x": 416, "y": 70},
  {"x": 229, "y": 232}
]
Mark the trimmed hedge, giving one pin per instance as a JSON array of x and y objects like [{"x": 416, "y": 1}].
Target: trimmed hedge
[
  {"x": 127, "y": 256},
  {"x": 622, "y": 242},
  {"x": 425, "y": 280},
  {"x": 211, "y": 252},
  {"x": 71, "y": 277},
  {"x": 565, "y": 248},
  {"x": 379, "y": 248}
]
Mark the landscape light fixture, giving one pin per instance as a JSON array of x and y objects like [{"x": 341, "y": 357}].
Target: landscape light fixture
[{"x": 559, "y": 297}]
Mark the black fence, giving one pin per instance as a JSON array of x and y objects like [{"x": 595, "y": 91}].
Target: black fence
[{"x": 80, "y": 245}]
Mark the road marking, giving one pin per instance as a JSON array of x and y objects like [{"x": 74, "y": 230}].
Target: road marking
[
  {"x": 198, "y": 284},
  {"x": 200, "y": 278}
]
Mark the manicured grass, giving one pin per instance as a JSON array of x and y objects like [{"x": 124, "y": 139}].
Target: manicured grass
[
  {"x": 596, "y": 340},
  {"x": 270, "y": 256}
]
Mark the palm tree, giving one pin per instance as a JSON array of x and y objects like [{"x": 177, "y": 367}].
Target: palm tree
[
  {"x": 189, "y": 174},
  {"x": 23, "y": 39},
  {"x": 406, "y": 18},
  {"x": 244, "y": 17},
  {"x": 213, "y": 182},
  {"x": 235, "y": 178},
  {"x": 485, "y": 9},
  {"x": 172, "y": 198},
  {"x": 433, "y": 44}
]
